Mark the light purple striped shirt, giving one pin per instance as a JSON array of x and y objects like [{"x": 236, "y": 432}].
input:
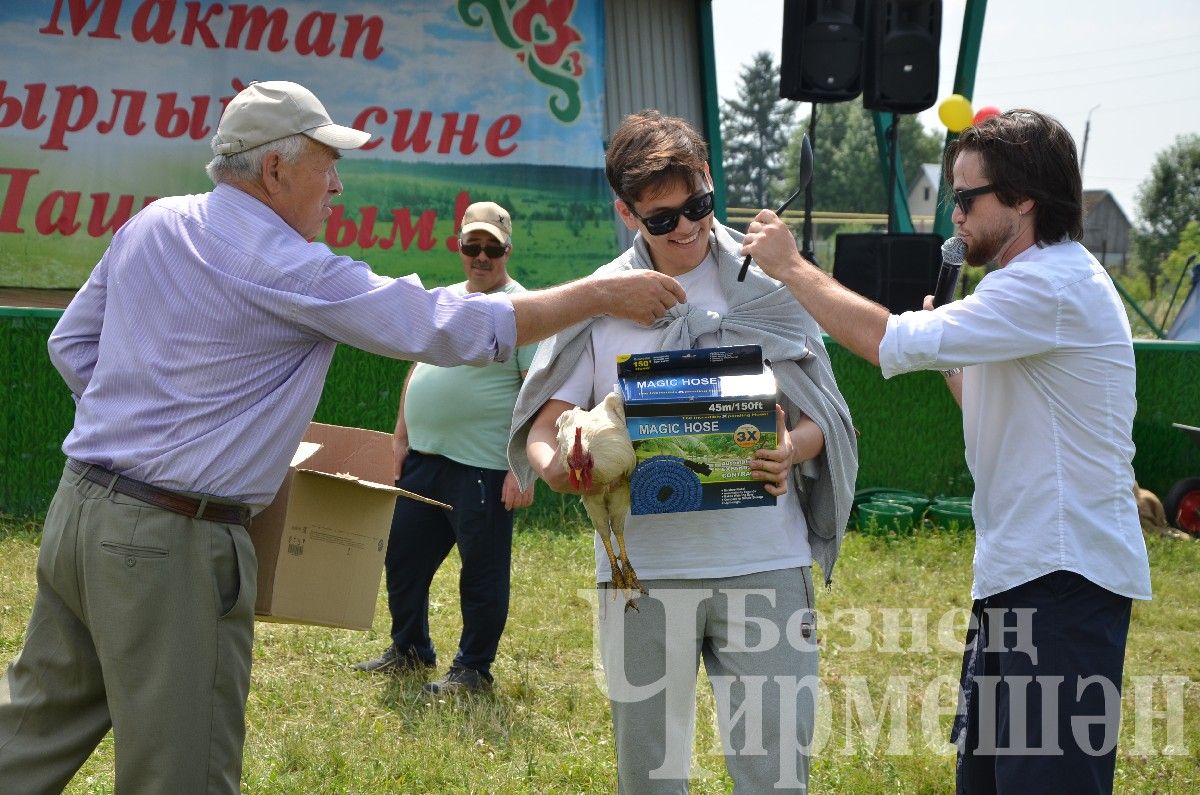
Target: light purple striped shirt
[{"x": 199, "y": 346}]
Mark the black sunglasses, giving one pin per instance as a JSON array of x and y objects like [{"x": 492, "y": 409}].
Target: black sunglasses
[
  {"x": 963, "y": 198},
  {"x": 667, "y": 220},
  {"x": 492, "y": 250}
]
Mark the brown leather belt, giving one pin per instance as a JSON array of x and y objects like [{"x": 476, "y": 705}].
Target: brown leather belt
[{"x": 161, "y": 498}]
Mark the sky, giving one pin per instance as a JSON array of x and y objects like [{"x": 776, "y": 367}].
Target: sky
[{"x": 1132, "y": 68}]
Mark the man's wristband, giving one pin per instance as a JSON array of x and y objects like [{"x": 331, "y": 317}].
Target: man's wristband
[{"x": 953, "y": 371}]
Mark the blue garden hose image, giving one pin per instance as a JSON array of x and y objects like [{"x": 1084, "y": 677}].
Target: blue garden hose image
[{"x": 665, "y": 484}]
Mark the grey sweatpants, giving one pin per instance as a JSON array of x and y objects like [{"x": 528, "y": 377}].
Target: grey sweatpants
[
  {"x": 756, "y": 635},
  {"x": 143, "y": 622}
]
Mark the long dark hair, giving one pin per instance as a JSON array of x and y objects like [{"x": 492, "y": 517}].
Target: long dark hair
[{"x": 1028, "y": 155}]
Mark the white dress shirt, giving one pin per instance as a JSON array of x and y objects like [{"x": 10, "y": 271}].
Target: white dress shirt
[
  {"x": 198, "y": 347},
  {"x": 1048, "y": 405}
]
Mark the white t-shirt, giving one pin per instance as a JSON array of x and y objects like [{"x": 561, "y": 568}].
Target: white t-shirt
[
  {"x": 1048, "y": 404},
  {"x": 697, "y": 544}
]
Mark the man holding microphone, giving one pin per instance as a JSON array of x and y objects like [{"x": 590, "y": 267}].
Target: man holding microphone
[{"x": 1040, "y": 358}]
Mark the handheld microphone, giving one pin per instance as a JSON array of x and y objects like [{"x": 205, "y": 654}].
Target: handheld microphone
[{"x": 954, "y": 251}]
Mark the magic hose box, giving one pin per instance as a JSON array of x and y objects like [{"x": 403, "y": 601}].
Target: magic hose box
[{"x": 695, "y": 418}]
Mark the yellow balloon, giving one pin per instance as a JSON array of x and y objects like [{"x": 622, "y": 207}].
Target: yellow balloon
[{"x": 955, "y": 112}]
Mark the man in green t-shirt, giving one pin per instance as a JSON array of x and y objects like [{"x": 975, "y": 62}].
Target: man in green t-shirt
[{"x": 458, "y": 457}]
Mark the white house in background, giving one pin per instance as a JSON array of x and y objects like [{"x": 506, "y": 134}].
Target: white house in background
[
  {"x": 1105, "y": 228},
  {"x": 922, "y": 196}
]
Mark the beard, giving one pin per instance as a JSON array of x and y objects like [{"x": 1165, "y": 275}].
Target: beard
[{"x": 986, "y": 247}]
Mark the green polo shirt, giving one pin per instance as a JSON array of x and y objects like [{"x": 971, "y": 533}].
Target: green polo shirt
[{"x": 464, "y": 413}]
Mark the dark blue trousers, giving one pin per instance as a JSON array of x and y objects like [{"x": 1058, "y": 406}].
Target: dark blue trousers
[
  {"x": 421, "y": 538},
  {"x": 1041, "y": 689}
]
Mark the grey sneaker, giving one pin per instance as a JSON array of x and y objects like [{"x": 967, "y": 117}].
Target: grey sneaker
[
  {"x": 460, "y": 680},
  {"x": 392, "y": 661}
]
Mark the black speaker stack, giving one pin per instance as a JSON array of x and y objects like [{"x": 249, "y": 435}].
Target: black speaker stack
[
  {"x": 897, "y": 271},
  {"x": 886, "y": 50},
  {"x": 822, "y": 58}
]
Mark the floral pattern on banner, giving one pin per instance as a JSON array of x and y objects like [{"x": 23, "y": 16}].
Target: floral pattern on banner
[{"x": 544, "y": 40}]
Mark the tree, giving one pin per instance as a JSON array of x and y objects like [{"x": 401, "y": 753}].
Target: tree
[
  {"x": 754, "y": 130},
  {"x": 1166, "y": 202},
  {"x": 575, "y": 218},
  {"x": 846, "y": 173}
]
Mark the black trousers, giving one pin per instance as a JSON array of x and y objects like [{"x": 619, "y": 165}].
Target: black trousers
[
  {"x": 1040, "y": 694},
  {"x": 422, "y": 536}
]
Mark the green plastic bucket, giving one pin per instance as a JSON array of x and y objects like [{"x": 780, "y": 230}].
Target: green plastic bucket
[
  {"x": 950, "y": 516},
  {"x": 888, "y": 517},
  {"x": 872, "y": 493},
  {"x": 918, "y": 502}
]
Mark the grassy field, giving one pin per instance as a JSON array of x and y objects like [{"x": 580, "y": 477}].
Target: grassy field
[
  {"x": 562, "y": 217},
  {"x": 889, "y": 628}
]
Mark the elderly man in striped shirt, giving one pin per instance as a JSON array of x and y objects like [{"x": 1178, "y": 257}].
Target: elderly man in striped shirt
[{"x": 196, "y": 353}]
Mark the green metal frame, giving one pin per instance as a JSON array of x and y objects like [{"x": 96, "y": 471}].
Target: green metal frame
[
  {"x": 964, "y": 84},
  {"x": 901, "y": 219},
  {"x": 1133, "y": 304},
  {"x": 712, "y": 106}
]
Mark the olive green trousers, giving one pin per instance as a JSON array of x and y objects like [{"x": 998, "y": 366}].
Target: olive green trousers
[{"x": 143, "y": 622}]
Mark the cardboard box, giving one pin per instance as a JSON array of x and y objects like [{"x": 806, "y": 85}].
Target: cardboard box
[
  {"x": 695, "y": 418},
  {"x": 321, "y": 542}
]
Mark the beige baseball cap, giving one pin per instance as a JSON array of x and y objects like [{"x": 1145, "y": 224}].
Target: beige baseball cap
[
  {"x": 274, "y": 109},
  {"x": 489, "y": 217}
]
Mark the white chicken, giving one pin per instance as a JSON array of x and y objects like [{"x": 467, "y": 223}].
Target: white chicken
[{"x": 594, "y": 448}]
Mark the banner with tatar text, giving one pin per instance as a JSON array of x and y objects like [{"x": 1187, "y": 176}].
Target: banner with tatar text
[{"x": 106, "y": 105}]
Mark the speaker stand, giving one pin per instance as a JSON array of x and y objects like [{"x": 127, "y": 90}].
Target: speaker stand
[
  {"x": 806, "y": 241},
  {"x": 893, "y": 149}
]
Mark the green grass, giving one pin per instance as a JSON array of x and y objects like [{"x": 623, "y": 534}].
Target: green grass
[
  {"x": 314, "y": 726},
  {"x": 563, "y": 218}
]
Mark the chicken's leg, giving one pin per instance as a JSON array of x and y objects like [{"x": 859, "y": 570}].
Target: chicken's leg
[
  {"x": 596, "y": 512},
  {"x": 617, "y": 502}
]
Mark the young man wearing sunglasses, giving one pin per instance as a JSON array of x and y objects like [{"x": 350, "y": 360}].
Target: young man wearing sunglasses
[
  {"x": 1041, "y": 360},
  {"x": 464, "y": 465},
  {"x": 706, "y": 571}
]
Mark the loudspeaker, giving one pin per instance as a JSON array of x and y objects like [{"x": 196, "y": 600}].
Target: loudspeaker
[
  {"x": 822, "y": 54},
  {"x": 900, "y": 72},
  {"x": 897, "y": 271}
]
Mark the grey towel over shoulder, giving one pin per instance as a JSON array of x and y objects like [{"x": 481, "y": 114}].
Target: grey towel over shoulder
[{"x": 761, "y": 312}]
